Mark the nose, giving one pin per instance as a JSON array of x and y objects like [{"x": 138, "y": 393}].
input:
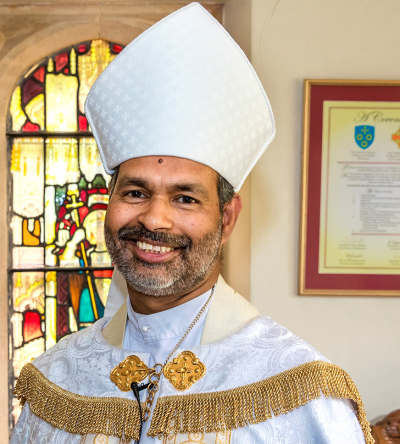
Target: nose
[{"x": 156, "y": 215}]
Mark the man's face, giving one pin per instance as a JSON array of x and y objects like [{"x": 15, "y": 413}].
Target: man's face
[{"x": 163, "y": 226}]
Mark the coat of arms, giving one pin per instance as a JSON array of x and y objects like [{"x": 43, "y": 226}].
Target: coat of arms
[{"x": 364, "y": 135}]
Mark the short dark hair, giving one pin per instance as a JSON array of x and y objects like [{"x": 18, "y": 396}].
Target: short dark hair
[
  {"x": 224, "y": 189},
  {"x": 113, "y": 181},
  {"x": 225, "y": 192}
]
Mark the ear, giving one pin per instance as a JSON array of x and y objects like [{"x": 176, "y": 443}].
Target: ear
[{"x": 230, "y": 216}]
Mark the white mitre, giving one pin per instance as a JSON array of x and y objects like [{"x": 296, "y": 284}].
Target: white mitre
[{"x": 182, "y": 88}]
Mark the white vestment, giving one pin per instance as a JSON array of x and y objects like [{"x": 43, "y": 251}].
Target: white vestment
[
  {"x": 158, "y": 334},
  {"x": 244, "y": 354}
]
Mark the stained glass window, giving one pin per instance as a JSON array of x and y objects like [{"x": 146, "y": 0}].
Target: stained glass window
[{"x": 59, "y": 268}]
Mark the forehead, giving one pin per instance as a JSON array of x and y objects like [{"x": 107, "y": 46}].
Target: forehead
[{"x": 167, "y": 170}]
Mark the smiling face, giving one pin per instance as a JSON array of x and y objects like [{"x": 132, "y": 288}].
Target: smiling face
[{"x": 163, "y": 227}]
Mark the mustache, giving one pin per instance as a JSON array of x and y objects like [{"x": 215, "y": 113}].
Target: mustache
[{"x": 174, "y": 240}]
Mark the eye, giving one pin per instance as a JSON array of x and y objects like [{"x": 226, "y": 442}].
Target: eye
[
  {"x": 135, "y": 194},
  {"x": 186, "y": 200}
]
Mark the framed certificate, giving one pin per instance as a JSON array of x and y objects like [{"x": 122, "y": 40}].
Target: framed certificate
[{"x": 350, "y": 204}]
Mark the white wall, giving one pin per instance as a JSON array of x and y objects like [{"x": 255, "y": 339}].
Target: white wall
[
  {"x": 292, "y": 40},
  {"x": 237, "y": 20}
]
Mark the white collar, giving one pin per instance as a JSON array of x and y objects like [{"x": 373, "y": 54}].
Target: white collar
[
  {"x": 228, "y": 313},
  {"x": 168, "y": 324}
]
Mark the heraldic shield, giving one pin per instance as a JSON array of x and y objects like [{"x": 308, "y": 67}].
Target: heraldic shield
[{"x": 364, "y": 135}]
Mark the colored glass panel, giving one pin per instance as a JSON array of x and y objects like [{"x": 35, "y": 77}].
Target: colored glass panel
[
  {"x": 50, "y": 215},
  {"x": 58, "y": 203},
  {"x": 73, "y": 325},
  {"x": 90, "y": 66},
  {"x": 51, "y": 316},
  {"x": 30, "y": 90},
  {"x": 62, "y": 161},
  {"x": 90, "y": 161},
  {"x": 72, "y": 61},
  {"x": 32, "y": 326},
  {"x": 35, "y": 110},
  {"x": 50, "y": 65},
  {"x": 61, "y": 110},
  {"x": 103, "y": 286},
  {"x": 17, "y": 114},
  {"x": 61, "y": 61},
  {"x": 39, "y": 74},
  {"x": 86, "y": 312},
  {"x": 51, "y": 309},
  {"x": 29, "y": 127},
  {"x": 27, "y": 168},
  {"x": 26, "y": 337},
  {"x": 27, "y": 257},
  {"x": 31, "y": 235},
  {"x": 83, "y": 123},
  {"x": 28, "y": 291}
]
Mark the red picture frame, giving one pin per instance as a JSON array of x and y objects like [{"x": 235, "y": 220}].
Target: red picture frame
[{"x": 311, "y": 282}]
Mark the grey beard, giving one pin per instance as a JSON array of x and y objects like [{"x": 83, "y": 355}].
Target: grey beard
[{"x": 181, "y": 274}]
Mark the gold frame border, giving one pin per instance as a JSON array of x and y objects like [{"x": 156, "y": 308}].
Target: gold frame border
[{"x": 302, "y": 290}]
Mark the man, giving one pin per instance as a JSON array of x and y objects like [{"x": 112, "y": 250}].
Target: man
[{"x": 180, "y": 118}]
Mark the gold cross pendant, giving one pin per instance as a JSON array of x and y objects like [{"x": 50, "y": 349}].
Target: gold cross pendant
[
  {"x": 131, "y": 369},
  {"x": 184, "y": 370}
]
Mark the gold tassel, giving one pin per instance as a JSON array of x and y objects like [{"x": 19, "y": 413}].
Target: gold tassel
[
  {"x": 203, "y": 412},
  {"x": 76, "y": 413},
  {"x": 255, "y": 403}
]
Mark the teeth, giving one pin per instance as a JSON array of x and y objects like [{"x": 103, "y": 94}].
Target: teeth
[{"x": 148, "y": 248}]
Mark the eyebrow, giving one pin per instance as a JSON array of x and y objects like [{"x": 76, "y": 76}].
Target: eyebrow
[
  {"x": 190, "y": 187},
  {"x": 132, "y": 181}
]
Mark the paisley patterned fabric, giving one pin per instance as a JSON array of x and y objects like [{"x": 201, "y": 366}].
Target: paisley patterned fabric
[{"x": 81, "y": 363}]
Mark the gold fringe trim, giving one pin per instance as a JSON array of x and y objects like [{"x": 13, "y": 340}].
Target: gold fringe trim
[
  {"x": 76, "y": 413},
  {"x": 255, "y": 403},
  {"x": 203, "y": 412}
]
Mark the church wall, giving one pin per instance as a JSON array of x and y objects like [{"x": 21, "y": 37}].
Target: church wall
[
  {"x": 236, "y": 271},
  {"x": 292, "y": 40}
]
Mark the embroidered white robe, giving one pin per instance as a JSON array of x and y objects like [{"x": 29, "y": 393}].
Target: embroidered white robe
[{"x": 238, "y": 349}]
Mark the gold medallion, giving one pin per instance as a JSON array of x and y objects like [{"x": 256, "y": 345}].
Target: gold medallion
[
  {"x": 131, "y": 369},
  {"x": 184, "y": 370}
]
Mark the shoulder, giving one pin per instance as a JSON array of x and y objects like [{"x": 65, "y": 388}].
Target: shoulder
[
  {"x": 81, "y": 363},
  {"x": 228, "y": 313},
  {"x": 233, "y": 323},
  {"x": 80, "y": 343},
  {"x": 286, "y": 349},
  {"x": 259, "y": 350},
  {"x": 266, "y": 365}
]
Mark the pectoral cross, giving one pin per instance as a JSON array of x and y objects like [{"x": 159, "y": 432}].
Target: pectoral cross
[{"x": 184, "y": 371}]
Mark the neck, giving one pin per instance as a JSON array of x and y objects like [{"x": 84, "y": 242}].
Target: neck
[{"x": 145, "y": 304}]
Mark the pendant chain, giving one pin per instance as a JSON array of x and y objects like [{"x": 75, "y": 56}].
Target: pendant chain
[{"x": 155, "y": 376}]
